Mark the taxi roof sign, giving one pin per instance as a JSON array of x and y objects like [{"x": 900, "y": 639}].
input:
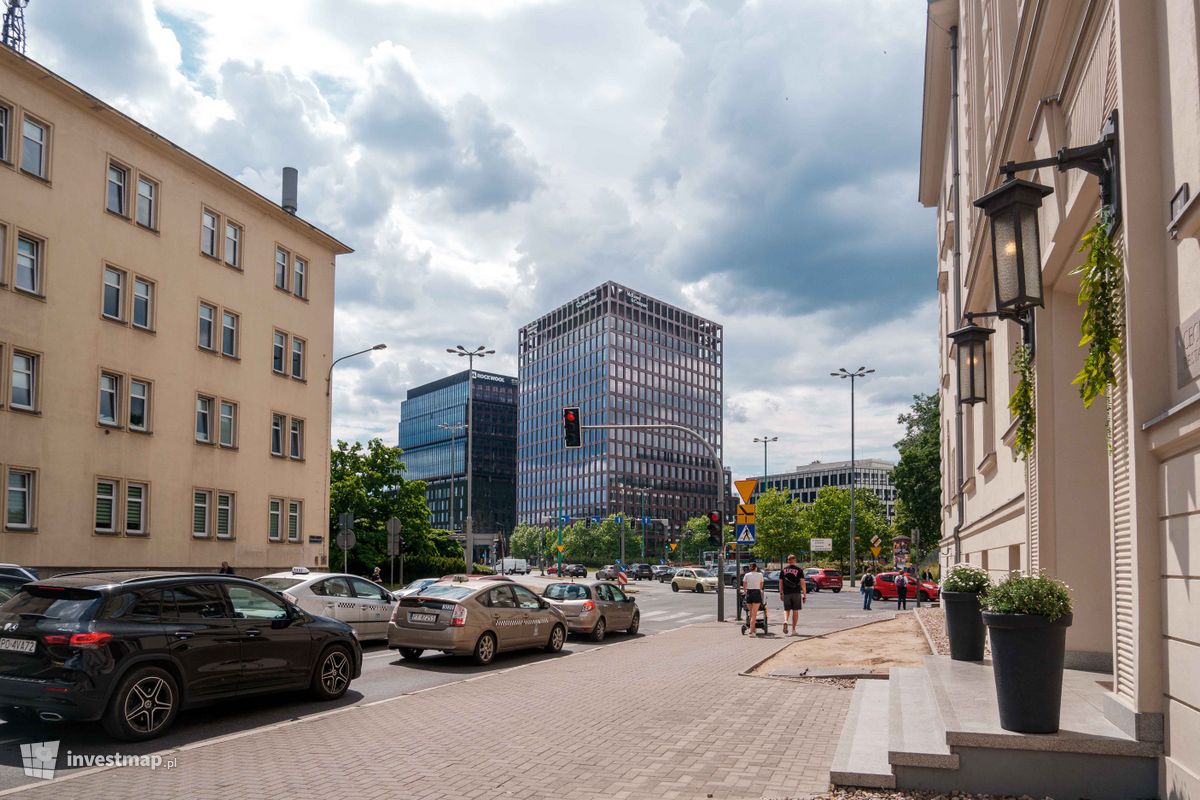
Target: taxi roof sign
[{"x": 745, "y": 488}]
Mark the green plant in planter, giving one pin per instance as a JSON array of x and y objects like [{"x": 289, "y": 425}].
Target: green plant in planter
[
  {"x": 966, "y": 578},
  {"x": 1029, "y": 594}
]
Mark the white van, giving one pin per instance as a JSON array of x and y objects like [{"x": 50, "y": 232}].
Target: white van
[{"x": 514, "y": 566}]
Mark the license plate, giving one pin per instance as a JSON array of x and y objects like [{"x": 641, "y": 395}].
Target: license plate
[
  {"x": 18, "y": 645},
  {"x": 413, "y": 616}
]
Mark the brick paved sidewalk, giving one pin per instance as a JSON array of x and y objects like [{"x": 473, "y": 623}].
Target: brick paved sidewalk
[{"x": 661, "y": 717}]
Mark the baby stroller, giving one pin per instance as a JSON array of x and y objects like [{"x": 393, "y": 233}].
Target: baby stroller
[{"x": 760, "y": 623}]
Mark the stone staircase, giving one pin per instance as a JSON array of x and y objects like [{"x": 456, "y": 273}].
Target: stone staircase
[{"x": 937, "y": 728}]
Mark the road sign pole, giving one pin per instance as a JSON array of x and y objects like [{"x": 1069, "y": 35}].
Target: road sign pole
[{"x": 560, "y": 522}]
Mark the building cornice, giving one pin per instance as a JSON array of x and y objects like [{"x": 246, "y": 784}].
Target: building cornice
[{"x": 940, "y": 16}]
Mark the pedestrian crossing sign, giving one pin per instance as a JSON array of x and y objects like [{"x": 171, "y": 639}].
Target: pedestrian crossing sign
[{"x": 745, "y": 534}]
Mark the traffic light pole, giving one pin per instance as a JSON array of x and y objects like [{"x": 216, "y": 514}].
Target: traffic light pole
[{"x": 712, "y": 451}]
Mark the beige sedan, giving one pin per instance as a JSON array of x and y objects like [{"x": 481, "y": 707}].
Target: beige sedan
[
  {"x": 693, "y": 579},
  {"x": 595, "y": 608},
  {"x": 475, "y": 618}
]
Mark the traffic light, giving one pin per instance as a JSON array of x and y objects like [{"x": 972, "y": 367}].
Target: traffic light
[
  {"x": 714, "y": 526},
  {"x": 572, "y": 434}
]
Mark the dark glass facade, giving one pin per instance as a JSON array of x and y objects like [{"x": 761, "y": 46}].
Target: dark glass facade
[
  {"x": 434, "y": 455},
  {"x": 623, "y": 358}
]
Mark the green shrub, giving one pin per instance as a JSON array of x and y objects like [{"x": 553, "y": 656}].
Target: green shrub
[
  {"x": 966, "y": 578},
  {"x": 1029, "y": 594}
]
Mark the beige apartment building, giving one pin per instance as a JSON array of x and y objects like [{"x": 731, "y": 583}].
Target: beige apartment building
[
  {"x": 165, "y": 334},
  {"x": 1109, "y": 499}
]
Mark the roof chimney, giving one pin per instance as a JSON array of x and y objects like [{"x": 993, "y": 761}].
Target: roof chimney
[{"x": 290, "y": 179}]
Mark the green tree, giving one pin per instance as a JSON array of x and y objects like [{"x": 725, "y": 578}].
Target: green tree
[
  {"x": 368, "y": 481},
  {"x": 695, "y": 539},
  {"x": 779, "y": 527},
  {"x": 829, "y": 516},
  {"x": 918, "y": 474},
  {"x": 530, "y": 541}
]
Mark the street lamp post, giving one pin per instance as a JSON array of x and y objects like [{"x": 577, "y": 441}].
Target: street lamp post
[
  {"x": 468, "y": 524},
  {"x": 765, "y": 441},
  {"x": 842, "y": 373}
]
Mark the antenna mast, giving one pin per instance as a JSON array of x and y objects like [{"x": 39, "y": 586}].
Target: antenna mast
[{"x": 13, "y": 32}]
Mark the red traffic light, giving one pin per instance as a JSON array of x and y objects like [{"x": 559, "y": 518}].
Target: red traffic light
[
  {"x": 572, "y": 431},
  {"x": 715, "y": 516}
]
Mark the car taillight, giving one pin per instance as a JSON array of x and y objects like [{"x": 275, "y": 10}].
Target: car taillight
[
  {"x": 459, "y": 618},
  {"x": 87, "y": 641},
  {"x": 588, "y": 605}
]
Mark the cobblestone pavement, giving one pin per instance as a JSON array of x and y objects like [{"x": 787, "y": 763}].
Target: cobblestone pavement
[{"x": 658, "y": 717}]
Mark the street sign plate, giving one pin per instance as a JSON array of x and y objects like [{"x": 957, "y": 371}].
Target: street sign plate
[
  {"x": 875, "y": 540},
  {"x": 619, "y": 519},
  {"x": 746, "y": 509},
  {"x": 564, "y": 519},
  {"x": 647, "y": 521},
  {"x": 561, "y": 547},
  {"x": 346, "y": 521},
  {"x": 745, "y": 534},
  {"x": 674, "y": 545},
  {"x": 819, "y": 545},
  {"x": 745, "y": 488},
  {"x": 596, "y": 520},
  {"x": 394, "y": 527},
  {"x": 346, "y": 540},
  {"x": 875, "y": 551}
]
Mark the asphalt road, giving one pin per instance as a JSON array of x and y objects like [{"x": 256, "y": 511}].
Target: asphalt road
[{"x": 385, "y": 675}]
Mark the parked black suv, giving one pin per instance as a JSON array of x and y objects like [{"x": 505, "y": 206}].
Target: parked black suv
[
  {"x": 132, "y": 648},
  {"x": 575, "y": 570},
  {"x": 640, "y": 572}
]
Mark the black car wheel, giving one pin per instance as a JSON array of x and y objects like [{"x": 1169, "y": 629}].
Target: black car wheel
[
  {"x": 924, "y": 595},
  {"x": 674, "y": 586},
  {"x": 410, "y": 653},
  {"x": 598, "y": 631},
  {"x": 144, "y": 705},
  {"x": 875, "y": 595},
  {"x": 637, "y": 621},
  {"x": 699, "y": 588},
  {"x": 558, "y": 635},
  {"x": 333, "y": 673},
  {"x": 835, "y": 591},
  {"x": 485, "y": 649}
]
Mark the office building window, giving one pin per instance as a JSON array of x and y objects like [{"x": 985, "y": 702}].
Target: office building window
[
  {"x": 204, "y": 419},
  {"x": 297, "y": 358},
  {"x": 274, "y": 519},
  {"x": 139, "y": 405},
  {"x": 233, "y": 244},
  {"x": 143, "y": 303},
  {"x": 33, "y": 147},
  {"x": 299, "y": 278},
  {"x": 228, "y": 423},
  {"x": 24, "y": 381},
  {"x": 135, "y": 507},
  {"x": 295, "y": 508},
  {"x": 229, "y": 333},
  {"x": 29, "y": 265},
  {"x": 147, "y": 203},
  {"x": 279, "y": 352},
  {"x": 118, "y": 183},
  {"x": 201, "y": 499},
  {"x": 208, "y": 315},
  {"x": 114, "y": 293},
  {"x": 281, "y": 269},
  {"x": 277, "y": 423},
  {"x": 224, "y": 515},
  {"x": 110, "y": 391},
  {"x": 208, "y": 233},
  {"x": 20, "y": 499},
  {"x": 296, "y": 439},
  {"x": 106, "y": 500}
]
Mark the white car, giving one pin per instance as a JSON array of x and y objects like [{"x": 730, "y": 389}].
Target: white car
[{"x": 364, "y": 606}]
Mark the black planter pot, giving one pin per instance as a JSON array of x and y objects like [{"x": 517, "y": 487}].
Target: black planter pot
[
  {"x": 1027, "y": 661},
  {"x": 964, "y": 625}
]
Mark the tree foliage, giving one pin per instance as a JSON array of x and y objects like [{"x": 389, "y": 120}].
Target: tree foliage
[
  {"x": 829, "y": 516},
  {"x": 779, "y": 526},
  {"x": 918, "y": 475}
]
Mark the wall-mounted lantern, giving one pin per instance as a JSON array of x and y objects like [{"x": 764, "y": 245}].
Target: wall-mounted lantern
[{"x": 970, "y": 344}]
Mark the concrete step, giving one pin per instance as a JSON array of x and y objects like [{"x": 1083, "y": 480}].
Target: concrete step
[
  {"x": 916, "y": 734},
  {"x": 861, "y": 758}
]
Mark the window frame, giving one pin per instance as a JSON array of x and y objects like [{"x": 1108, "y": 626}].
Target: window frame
[
  {"x": 205, "y": 211},
  {"x": 31, "y": 497},
  {"x": 122, "y": 286},
  {"x": 207, "y": 506},
  {"x": 295, "y": 509},
  {"x": 117, "y": 380},
  {"x": 298, "y": 434},
  {"x": 144, "y": 504},
  {"x": 231, "y": 514},
  {"x": 299, "y": 286},
  {"x": 283, "y": 269},
  {"x": 35, "y": 359},
  {"x": 7, "y": 115},
  {"x": 283, "y": 421},
  {"x": 238, "y": 247},
  {"x": 43, "y": 172},
  {"x": 136, "y": 206},
  {"x": 211, "y": 347},
  {"x": 133, "y": 301},
  {"x": 283, "y": 350},
  {"x": 236, "y": 328},
  {"x": 39, "y": 264},
  {"x": 208, "y": 414},
  {"x": 275, "y": 506},
  {"x": 233, "y": 422},
  {"x": 114, "y": 509},
  {"x": 303, "y": 343},
  {"x": 146, "y": 405},
  {"x": 126, "y": 174}
]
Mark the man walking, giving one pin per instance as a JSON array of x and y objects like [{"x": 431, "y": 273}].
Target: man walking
[
  {"x": 792, "y": 592},
  {"x": 867, "y": 589},
  {"x": 752, "y": 583},
  {"x": 901, "y": 591}
]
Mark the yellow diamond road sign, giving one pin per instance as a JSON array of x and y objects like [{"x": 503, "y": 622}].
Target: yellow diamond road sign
[
  {"x": 561, "y": 547},
  {"x": 745, "y": 488},
  {"x": 875, "y": 551}
]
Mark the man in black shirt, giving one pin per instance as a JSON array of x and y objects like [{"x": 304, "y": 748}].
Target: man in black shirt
[{"x": 792, "y": 592}]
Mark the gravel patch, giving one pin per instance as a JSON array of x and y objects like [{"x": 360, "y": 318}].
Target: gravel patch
[{"x": 896, "y": 794}]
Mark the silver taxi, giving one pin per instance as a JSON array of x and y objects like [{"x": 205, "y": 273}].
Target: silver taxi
[{"x": 364, "y": 606}]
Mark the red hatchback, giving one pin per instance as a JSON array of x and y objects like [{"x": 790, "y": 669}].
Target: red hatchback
[
  {"x": 885, "y": 587},
  {"x": 829, "y": 579}
]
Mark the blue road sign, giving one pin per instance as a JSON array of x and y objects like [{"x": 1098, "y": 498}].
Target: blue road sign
[
  {"x": 564, "y": 519},
  {"x": 745, "y": 533},
  {"x": 619, "y": 519},
  {"x": 646, "y": 520},
  {"x": 596, "y": 520}
]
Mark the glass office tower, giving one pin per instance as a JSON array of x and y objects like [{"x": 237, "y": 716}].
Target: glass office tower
[
  {"x": 623, "y": 358},
  {"x": 439, "y": 455}
]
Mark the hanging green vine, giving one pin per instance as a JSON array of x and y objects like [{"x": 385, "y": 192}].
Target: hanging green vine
[
  {"x": 1020, "y": 405},
  {"x": 1100, "y": 285}
]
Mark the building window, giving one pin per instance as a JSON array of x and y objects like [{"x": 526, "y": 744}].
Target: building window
[
  {"x": 279, "y": 352},
  {"x": 281, "y": 268},
  {"x": 139, "y": 405},
  {"x": 296, "y": 439},
  {"x": 208, "y": 315},
  {"x": 114, "y": 293},
  {"x": 24, "y": 381},
  {"x": 143, "y": 303},
  {"x": 229, "y": 333},
  {"x": 299, "y": 278},
  {"x": 33, "y": 147},
  {"x": 135, "y": 508},
  {"x": 233, "y": 244},
  {"x": 200, "y": 507},
  {"x": 274, "y": 515},
  {"x": 5, "y": 126},
  {"x": 106, "y": 500},
  {"x": 208, "y": 234},
  {"x": 204, "y": 419},
  {"x": 147, "y": 203},
  {"x": 295, "y": 507},
  {"x": 110, "y": 391},
  {"x": 118, "y": 183},
  {"x": 277, "y": 423},
  {"x": 228, "y": 423},
  {"x": 298, "y": 358},
  {"x": 224, "y": 515},
  {"x": 29, "y": 265},
  {"x": 20, "y": 498}
]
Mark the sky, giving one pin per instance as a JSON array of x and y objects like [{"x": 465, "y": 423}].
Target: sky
[{"x": 754, "y": 161}]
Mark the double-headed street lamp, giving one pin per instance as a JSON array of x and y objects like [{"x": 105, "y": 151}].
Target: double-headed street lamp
[
  {"x": 843, "y": 373},
  {"x": 765, "y": 441},
  {"x": 468, "y": 525}
]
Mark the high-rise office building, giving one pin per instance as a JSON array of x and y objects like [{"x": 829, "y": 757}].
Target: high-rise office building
[
  {"x": 438, "y": 455},
  {"x": 623, "y": 358},
  {"x": 803, "y": 483}
]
